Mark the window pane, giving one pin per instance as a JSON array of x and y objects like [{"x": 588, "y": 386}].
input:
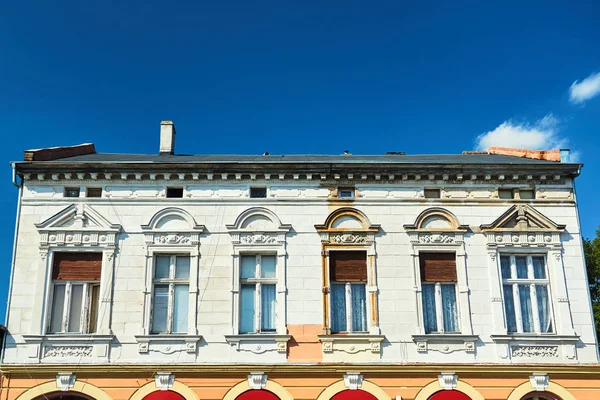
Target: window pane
[
  {"x": 267, "y": 266},
  {"x": 248, "y": 267},
  {"x": 359, "y": 307},
  {"x": 58, "y": 302},
  {"x": 449, "y": 308},
  {"x": 521, "y": 262},
  {"x": 338, "y": 308},
  {"x": 182, "y": 267},
  {"x": 526, "y": 310},
  {"x": 509, "y": 307},
  {"x": 539, "y": 272},
  {"x": 94, "y": 300},
  {"x": 161, "y": 269},
  {"x": 267, "y": 314},
  {"x": 180, "y": 312},
  {"x": 160, "y": 308},
  {"x": 505, "y": 266},
  {"x": 75, "y": 308},
  {"x": 429, "y": 312},
  {"x": 247, "y": 308},
  {"x": 543, "y": 308}
]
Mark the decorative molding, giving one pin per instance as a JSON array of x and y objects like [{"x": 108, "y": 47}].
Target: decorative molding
[
  {"x": 68, "y": 351},
  {"x": 448, "y": 380},
  {"x": 348, "y": 238},
  {"x": 535, "y": 351},
  {"x": 65, "y": 381},
  {"x": 258, "y": 239},
  {"x": 539, "y": 382},
  {"x": 259, "y": 343},
  {"x": 351, "y": 344},
  {"x": 164, "y": 380},
  {"x": 257, "y": 380},
  {"x": 172, "y": 239},
  {"x": 353, "y": 380},
  {"x": 436, "y": 238},
  {"x": 445, "y": 343},
  {"x": 168, "y": 344}
]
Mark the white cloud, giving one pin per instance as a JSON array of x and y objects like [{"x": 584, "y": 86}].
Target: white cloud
[
  {"x": 585, "y": 90},
  {"x": 541, "y": 135}
]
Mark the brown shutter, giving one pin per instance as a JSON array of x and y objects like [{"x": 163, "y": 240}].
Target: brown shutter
[
  {"x": 438, "y": 267},
  {"x": 348, "y": 266},
  {"x": 73, "y": 266}
]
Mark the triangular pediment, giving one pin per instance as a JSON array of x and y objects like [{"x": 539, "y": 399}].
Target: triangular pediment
[
  {"x": 523, "y": 217},
  {"x": 78, "y": 217}
]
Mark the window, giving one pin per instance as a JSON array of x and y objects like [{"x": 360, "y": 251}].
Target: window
[
  {"x": 526, "y": 194},
  {"x": 71, "y": 192},
  {"x": 348, "y": 277},
  {"x": 258, "y": 279},
  {"x": 171, "y": 291},
  {"x": 526, "y": 296},
  {"x": 506, "y": 194},
  {"x": 432, "y": 193},
  {"x": 93, "y": 192},
  {"x": 75, "y": 292},
  {"x": 346, "y": 193},
  {"x": 174, "y": 192},
  {"x": 438, "y": 285},
  {"x": 258, "y": 193}
]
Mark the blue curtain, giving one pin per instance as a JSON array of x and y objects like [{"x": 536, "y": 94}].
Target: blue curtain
[
  {"x": 267, "y": 313},
  {"x": 181, "y": 306},
  {"x": 449, "y": 308},
  {"x": 429, "y": 311},
  {"x": 247, "y": 309},
  {"x": 543, "y": 308},
  {"x": 338, "y": 307},
  {"x": 526, "y": 310},
  {"x": 160, "y": 308},
  {"x": 359, "y": 307},
  {"x": 521, "y": 262},
  {"x": 539, "y": 270},
  {"x": 509, "y": 307},
  {"x": 505, "y": 266}
]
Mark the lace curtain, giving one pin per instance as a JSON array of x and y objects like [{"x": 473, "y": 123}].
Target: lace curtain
[
  {"x": 338, "y": 307},
  {"x": 359, "y": 307},
  {"x": 429, "y": 311},
  {"x": 267, "y": 315},
  {"x": 449, "y": 308},
  {"x": 180, "y": 313}
]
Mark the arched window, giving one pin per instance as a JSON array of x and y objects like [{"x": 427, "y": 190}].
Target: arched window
[
  {"x": 354, "y": 395},
  {"x": 164, "y": 395},
  {"x": 540, "y": 396},
  {"x": 257, "y": 395},
  {"x": 449, "y": 395},
  {"x": 62, "y": 396}
]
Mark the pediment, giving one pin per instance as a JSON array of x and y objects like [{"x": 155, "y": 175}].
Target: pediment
[
  {"x": 78, "y": 217},
  {"x": 523, "y": 217}
]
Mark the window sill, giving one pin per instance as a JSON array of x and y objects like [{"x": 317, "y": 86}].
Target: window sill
[
  {"x": 168, "y": 343},
  {"x": 259, "y": 343},
  {"x": 535, "y": 338},
  {"x": 69, "y": 337},
  {"x": 351, "y": 343},
  {"x": 445, "y": 342},
  {"x": 66, "y": 347}
]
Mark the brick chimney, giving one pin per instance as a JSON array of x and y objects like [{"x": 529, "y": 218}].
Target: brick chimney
[{"x": 167, "y": 137}]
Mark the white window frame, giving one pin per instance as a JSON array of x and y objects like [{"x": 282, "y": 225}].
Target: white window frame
[
  {"x": 85, "y": 307},
  {"x": 532, "y": 282},
  {"x": 257, "y": 282},
  {"x": 439, "y": 304},
  {"x": 171, "y": 281}
]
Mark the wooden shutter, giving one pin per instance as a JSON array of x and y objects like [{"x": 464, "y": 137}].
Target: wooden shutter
[
  {"x": 73, "y": 266},
  {"x": 348, "y": 266},
  {"x": 438, "y": 267}
]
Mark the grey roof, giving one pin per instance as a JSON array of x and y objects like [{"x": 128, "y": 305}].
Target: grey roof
[{"x": 466, "y": 159}]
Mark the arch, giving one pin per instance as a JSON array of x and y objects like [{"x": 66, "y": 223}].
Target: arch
[
  {"x": 347, "y": 218},
  {"x": 271, "y": 386},
  {"x": 353, "y": 395},
  {"x": 177, "y": 387},
  {"x": 434, "y": 387},
  {"x": 78, "y": 388},
  {"x": 172, "y": 219},
  {"x": 436, "y": 219},
  {"x": 524, "y": 389},
  {"x": 340, "y": 386},
  {"x": 258, "y": 219}
]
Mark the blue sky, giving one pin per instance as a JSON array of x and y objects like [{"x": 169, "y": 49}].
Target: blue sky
[{"x": 299, "y": 77}]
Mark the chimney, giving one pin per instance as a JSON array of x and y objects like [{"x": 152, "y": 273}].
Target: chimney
[
  {"x": 167, "y": 137},
  {"x": 565, "y": 155}
]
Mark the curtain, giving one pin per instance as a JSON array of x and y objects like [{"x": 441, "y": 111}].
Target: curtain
[
  {"x": 160, "y": 308},
  {"x": 509, "y": 307},
  {"x": 521, "y": 262},
  {"x": 267, "y": 266},
  {"x": 247, "y": 309},
  {"x": 75, "y": 308},
  {"x": 526, "y": 310},
  {"x": 543, "y": 308},
  {"x": 182, "y": 267},
  {"x": 539, "y": 272},
  {"x": 180, "y": 313},
  {"x": 267, "y": 315},
  {"x": 58, "y": 303},
  {"x": 505, "y": 266},
  {"x": 429, "y": 311},
  {"x": 162, "y": 266},
  {"x": 449, "y": 308},
  {"x": 338, "y": 307},
  {"x": 359, "y": 307},
  {"x": 248, "y": 269}
]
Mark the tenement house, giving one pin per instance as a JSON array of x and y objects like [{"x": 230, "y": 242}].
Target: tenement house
[{"x": 297, "y": 277}]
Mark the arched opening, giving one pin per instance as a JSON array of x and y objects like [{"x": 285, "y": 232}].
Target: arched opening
[
  {"x": 354, "y": 395},
  {"x": 257, "y": 395},
  {"x": 64, "y": 396},
  {"x": 541, "y": 396},
  {"x": 449, "y": 395},
  {"x": 164, "y": 395}
]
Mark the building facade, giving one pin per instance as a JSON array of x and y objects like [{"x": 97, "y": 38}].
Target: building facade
[{"x": 407, "y": 277}]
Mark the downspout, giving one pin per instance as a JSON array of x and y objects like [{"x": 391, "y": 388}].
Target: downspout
[{"x": 14, "y": 256}]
